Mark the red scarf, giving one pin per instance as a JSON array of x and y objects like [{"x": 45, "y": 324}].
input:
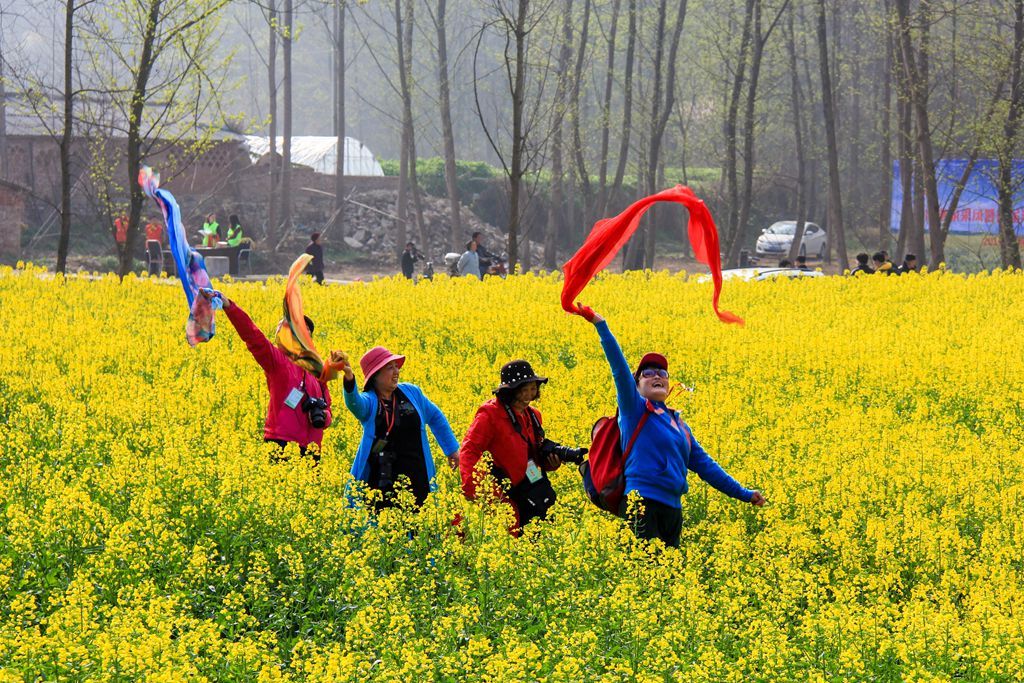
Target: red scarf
[{"x": 610, "y": 234}]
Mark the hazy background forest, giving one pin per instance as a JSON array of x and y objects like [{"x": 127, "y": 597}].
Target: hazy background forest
[{"x": 769, "y": 109}]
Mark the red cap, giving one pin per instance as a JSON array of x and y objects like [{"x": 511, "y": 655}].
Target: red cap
[{"x": 655, "y": 359}]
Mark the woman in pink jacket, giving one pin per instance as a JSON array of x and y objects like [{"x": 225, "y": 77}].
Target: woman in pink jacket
[{"x": 300, "y": 403}]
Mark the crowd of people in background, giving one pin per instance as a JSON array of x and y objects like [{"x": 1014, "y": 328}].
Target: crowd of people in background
[
  {"x": 869, "y": 265},
  {"x": 211, "y": 234},
  {"x": 879, "y": 263}
]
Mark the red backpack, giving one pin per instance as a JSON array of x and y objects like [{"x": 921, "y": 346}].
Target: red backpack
[{"x": 604, "y": 470}]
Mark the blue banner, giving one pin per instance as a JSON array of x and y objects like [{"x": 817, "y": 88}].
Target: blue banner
[{"x": 978, "y": 209}]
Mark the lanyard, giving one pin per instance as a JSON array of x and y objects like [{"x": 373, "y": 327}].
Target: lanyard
[{"x": 389, "y": 411}]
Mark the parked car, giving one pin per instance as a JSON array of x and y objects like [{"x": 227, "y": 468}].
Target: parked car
[
  {"x": 759, "y": 274},
  {"x": 778, "y": 238}
]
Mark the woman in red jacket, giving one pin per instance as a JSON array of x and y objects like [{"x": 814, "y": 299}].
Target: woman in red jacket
[{"x": 510, "y": 429}]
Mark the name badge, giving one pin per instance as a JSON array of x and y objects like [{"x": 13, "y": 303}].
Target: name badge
[
  {"x": 293, "y": 398},
  {"x": 533, "y": 472}
]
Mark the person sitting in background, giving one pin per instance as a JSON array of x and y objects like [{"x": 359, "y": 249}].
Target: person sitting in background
[
  {"x": 154, "y": 230},
  {"x": 909, "y": 265},
  {"x": 862, "y": 265},
  {"x": 801, "y": 262},
  {"x": 785, "y": 263},
  {"x": 487, "y": 257},
  {"x": 469, "y": 262},
  {"x": 234, "y": 231},
  {"x": 316, "y": 250},
  {"x": 210, "y": 231},
  {"x": 880, "y": 264}
]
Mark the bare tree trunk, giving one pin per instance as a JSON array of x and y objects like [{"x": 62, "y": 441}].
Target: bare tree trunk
[
  {"x": 556, "y": 199},
  {"x": 885, "y": 196},
  {"x": 273, "y": 234},
  {"x": 3, "y": 117},
  {"x": 627, "y": 104},
  {"x": 582, "y": 173},
  {"x": 339, "y": 118},
  {"x": 837, "y": 228},
  {"x": 917, "y": 86},
  {"x": 403, "y": 163},
  {"x": 450, "y": 171},
  {"x": 798, "y": 135},
  {"x": 517, "y": 169},
  {"x": 606, "y": 110},
  {"x": 66, "y": 138},
  {"x": 906, "y": 135},
  {"x": 286, "y": 155},
  {"x": 139, "y": 89},
  {"x": 660, "y": 114},
  {"x": 739, "y": 235},
  {"x": 916, "y": 238},
  {"x": 417, "y": 196},
  {"x": 731, "y": 117},
  {"x": 1009, "y": 247}
]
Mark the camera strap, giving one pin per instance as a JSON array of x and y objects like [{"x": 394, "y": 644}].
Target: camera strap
[{"x": 538, "y": 431}]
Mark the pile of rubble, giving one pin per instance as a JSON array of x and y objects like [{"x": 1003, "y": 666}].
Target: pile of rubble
[{"x": 371, "y": 228}]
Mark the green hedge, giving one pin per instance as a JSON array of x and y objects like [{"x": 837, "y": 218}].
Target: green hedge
[{"x": 471, "y": 176}]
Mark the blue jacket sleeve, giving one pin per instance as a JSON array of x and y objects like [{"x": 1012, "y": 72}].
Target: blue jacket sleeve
[
  {"x": 630, "y": 403},
  {"x": 711, "y": 472},
  {"x": 439, "y": 426},
  {"x": 359, "y": 403}
]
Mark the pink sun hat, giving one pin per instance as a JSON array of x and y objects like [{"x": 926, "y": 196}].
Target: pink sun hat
[{"x": 375, "y": 359}]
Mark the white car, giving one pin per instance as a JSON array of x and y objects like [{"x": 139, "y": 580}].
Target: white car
[
  {"x": 776, "y": 240},
  {"x": 759, "y": 274}
]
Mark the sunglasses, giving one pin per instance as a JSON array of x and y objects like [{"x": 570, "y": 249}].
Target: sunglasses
[{"x": 648, "y": 373}]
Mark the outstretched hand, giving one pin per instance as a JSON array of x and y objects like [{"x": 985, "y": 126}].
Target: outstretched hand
[
  {"x": 340, "y": 360},
  {"x": 588, "y": 314},
  {"x": 212, "y": 294},
  {"x": 758, "y": 499}
]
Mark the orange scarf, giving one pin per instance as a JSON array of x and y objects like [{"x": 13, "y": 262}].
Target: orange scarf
[{"x": 293, "y": 335}]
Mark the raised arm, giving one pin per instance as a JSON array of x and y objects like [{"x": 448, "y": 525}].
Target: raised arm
[
  {"x": 265, "y": 353},
  {"x": 629, "y": 400}
]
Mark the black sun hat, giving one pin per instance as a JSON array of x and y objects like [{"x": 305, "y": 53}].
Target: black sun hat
[{"x": 516, "y": 373}]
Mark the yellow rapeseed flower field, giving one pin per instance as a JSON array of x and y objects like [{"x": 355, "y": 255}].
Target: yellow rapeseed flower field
[{"x": 146, "y": 535}]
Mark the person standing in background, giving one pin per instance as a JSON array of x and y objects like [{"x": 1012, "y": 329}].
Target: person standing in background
[{"x": 316, "y": 250}]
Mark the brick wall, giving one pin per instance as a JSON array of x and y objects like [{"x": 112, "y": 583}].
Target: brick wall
[
  {"x": 12, "y": 220},
  {"x": 223, "y": 180}
]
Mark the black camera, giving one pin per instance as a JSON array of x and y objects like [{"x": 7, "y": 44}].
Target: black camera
[
  {"x": 564, "y": 453},
  {"x": 386, "y": 459},
  {"x": 316, "y": 410}
]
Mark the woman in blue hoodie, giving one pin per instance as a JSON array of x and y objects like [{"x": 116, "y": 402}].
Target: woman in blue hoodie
[{"x": 664, "y": 449}]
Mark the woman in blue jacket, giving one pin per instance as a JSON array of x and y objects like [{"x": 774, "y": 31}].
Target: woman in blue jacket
[
  {"x": 395, "y": 417},
  {"x": 664, "y": 449}
]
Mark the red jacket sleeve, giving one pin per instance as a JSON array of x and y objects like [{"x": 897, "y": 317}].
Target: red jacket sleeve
[
  {"x": 265, "y": 353},
  {"x": 477, "y": 440}
]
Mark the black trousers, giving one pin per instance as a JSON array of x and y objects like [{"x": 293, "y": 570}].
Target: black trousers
[
  {"x": 303, "y": 451},
  {"x": 656, "y": 521}
]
